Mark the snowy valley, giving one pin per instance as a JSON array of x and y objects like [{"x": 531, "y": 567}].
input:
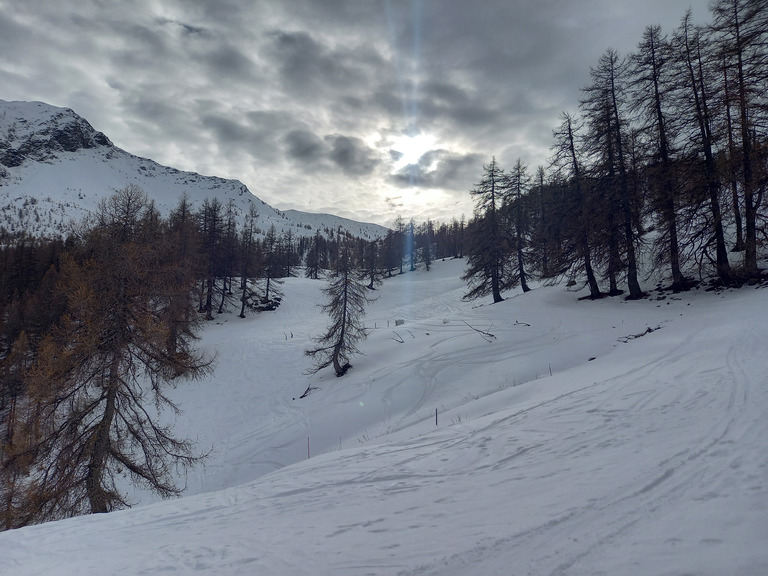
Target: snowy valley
[{"x": 541, "y": 435}]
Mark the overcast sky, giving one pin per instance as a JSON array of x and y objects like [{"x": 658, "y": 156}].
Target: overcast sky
[{"x": 364, "y": 109}]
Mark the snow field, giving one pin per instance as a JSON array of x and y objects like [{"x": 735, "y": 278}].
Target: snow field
[{"x": 643, "y": 453}]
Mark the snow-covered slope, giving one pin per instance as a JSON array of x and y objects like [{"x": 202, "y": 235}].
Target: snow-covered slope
[
  {"x": 582, "y": 438},
  {"x": 55, "y": 168}
]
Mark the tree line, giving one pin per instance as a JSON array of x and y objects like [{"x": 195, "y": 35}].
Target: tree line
[{"x": 667, "y": 159}]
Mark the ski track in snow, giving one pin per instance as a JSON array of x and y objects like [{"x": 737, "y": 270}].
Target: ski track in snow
[{"x": 648, "y": 460}]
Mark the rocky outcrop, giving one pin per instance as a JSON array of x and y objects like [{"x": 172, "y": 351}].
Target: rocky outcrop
[{"x": 38, "y": 132}]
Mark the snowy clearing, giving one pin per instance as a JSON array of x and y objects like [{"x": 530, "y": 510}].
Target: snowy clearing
[{"x": 583, "y": 438}]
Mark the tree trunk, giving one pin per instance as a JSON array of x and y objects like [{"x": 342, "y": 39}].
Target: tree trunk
[
  {"x": 739, "y": 246},
  {"x": 635, "y": 291},
  {"x": 100, "y": 442},
  {"x": 750, "y": 208},
  {"x": 713, "y": 185}
]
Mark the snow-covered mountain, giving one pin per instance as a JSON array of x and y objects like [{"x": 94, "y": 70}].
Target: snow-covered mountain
[{"x": 55, "y": 168}]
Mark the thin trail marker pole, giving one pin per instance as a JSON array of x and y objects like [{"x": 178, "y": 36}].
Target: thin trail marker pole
[
  {"x": 435, "y": 416},
  {"x": 307, "y": 447}
]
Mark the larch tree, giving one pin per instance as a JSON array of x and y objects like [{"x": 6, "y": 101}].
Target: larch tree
[
  {"x": 347, "y": 298},
  {"x": 424, "y": 243},
  {"x": 211, "y": 231},
  {"x": 740, "y": 27},
  {"x": 180, "y": 271},
  {"x": 248, "y": 261},
  {"x": 693, "y": 95},
  {"x": 317, "y": 258},
  {"x": 567, "y": 162},
  {"x": 602, "y": 107},
  {"x": 370, "y": 262},
  {"x": 651, "y": 86},
  {"x": 410, "y": 244},
  {"x": 518, "y": 216},
  {"x": 392, "y": 252},
  {"x": 272, "y": 270},
  {"x": 96, "y": 390},
  {"x": 229, "y": 255},
  {"x": 486, "y": 243}
]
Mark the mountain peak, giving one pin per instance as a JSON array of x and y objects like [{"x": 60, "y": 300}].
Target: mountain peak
[{"x": 39, "y": 132}]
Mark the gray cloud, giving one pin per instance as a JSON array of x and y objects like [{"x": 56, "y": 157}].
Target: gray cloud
[
  {"x": 186, "y": 29},
  {"x": 290, "y": 96},
  {"x": 352, "y": 155},
  {"x": 230, "y": 62},
  {"x": 305, "y": 147},
  {"x": 309, "y": 68},
  {"x": 441, "y": 169}
]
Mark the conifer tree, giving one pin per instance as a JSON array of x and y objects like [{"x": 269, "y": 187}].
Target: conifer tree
[
  {"x": 486, "y": 245},
  {"x": 273, "y": 269},
  {"x": 180, "y": 271},
  {"x": 346, "y": 300},
  {"x": 317, "y": 258},
  {"x": 577, "y": 212},
  {"x": 370, "y": 263},
  {"x": 694, "y": 97},
  {"x": 424, "y": 241},
  {"x": 210, "y": 226},
  {"x": 248, "y": 261},
  {"x": 518, "y": 217},
  {"x": 89, "y": 416},
  {"x": 741, "y": 27},
  {"x": 602, "y": 105},
  {"x": 652, "y": 84}
]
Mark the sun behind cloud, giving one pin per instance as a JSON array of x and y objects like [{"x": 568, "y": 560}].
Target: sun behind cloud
[{"x": 407, "y": 150}]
